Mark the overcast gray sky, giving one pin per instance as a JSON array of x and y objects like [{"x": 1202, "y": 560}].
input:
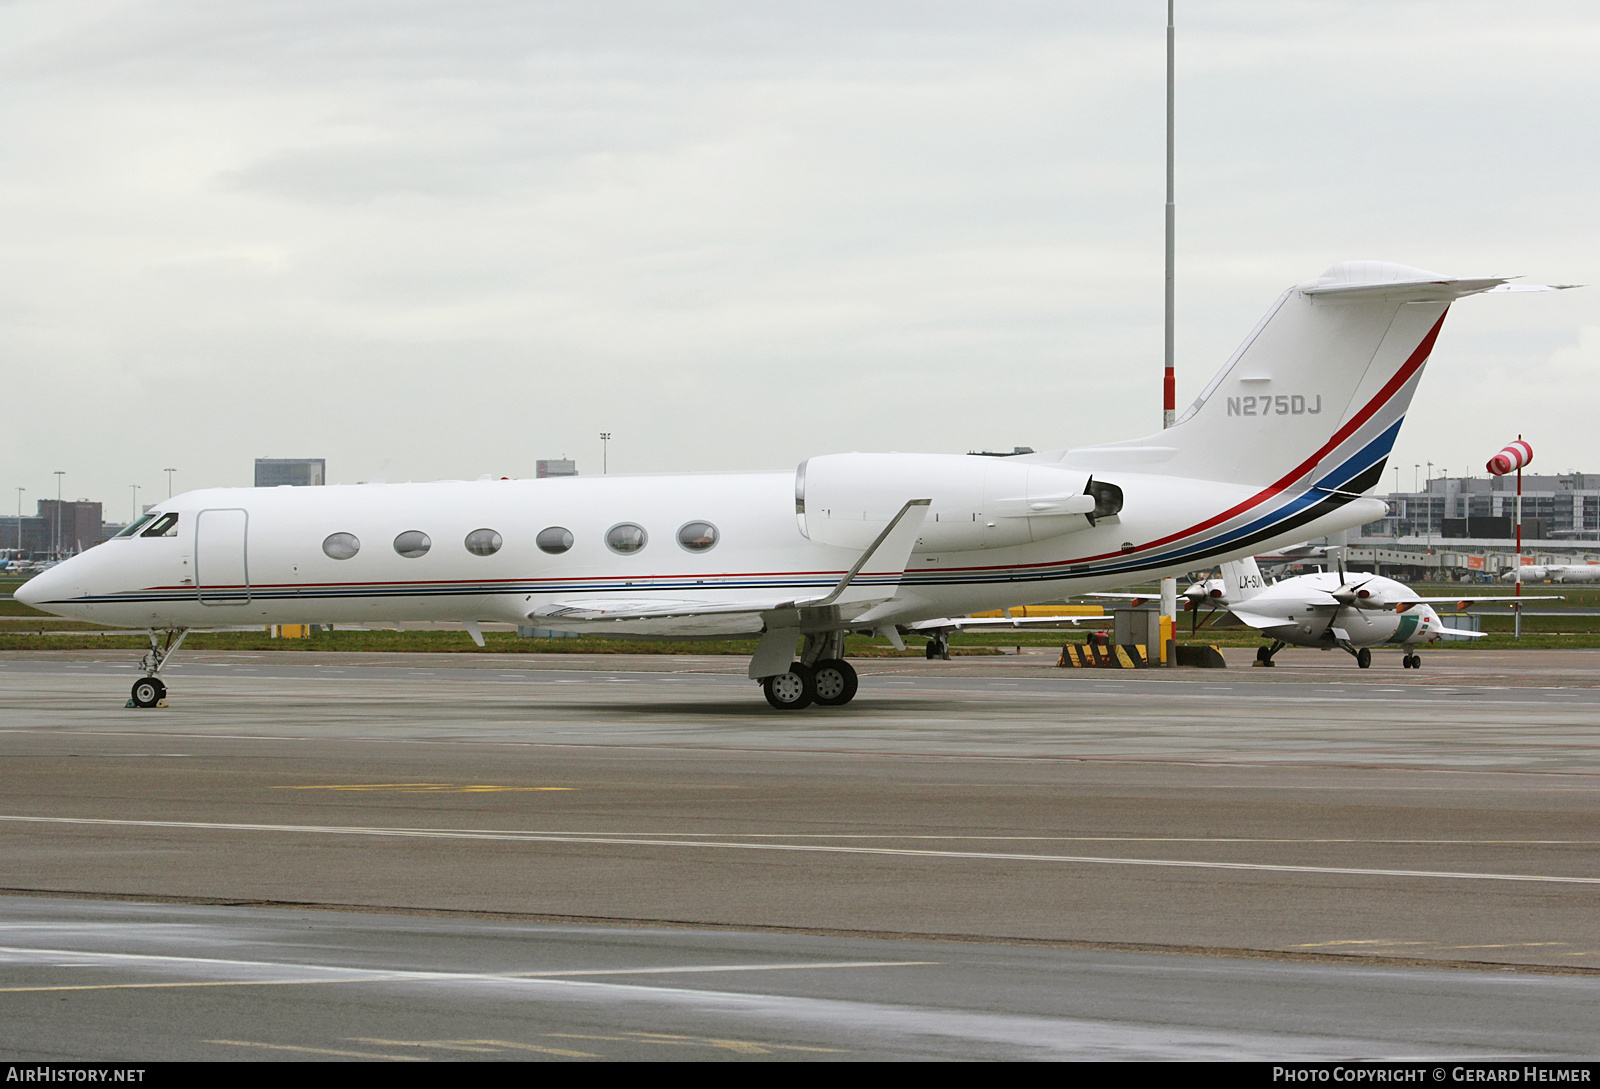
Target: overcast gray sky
[{"x": 464, "y": 236}]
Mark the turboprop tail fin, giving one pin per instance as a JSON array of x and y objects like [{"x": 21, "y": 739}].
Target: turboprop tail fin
[{"x": 1241, "y": 581}]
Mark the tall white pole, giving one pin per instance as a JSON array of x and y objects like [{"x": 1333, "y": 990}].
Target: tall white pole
[{"x": 1169, "y": 585}]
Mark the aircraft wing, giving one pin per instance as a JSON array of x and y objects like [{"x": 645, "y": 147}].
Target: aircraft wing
[
  {"x": 873, "y": 578},
  {"x": 1001, "y": 623},
  {"x": 633, "y": 608},
  {"x": 1463, "y": 602}
]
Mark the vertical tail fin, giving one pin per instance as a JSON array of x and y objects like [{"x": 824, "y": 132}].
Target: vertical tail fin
[
  {"x": 1315, "y": 395},
  {"x": 1241, "y": 581}
]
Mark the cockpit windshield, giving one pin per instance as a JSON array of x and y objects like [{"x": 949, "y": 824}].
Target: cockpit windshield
[
  {"x": 138, "y": 523},
  {"x": 166, "y": 526},
  {"x": 152, "y": 523}
]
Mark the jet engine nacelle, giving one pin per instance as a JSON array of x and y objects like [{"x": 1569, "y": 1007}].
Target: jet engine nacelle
[{"x": 978, "y": 502}]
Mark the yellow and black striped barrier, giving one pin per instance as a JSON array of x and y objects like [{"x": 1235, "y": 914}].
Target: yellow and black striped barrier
[
  {"x": 1110, "y": 656},
  {"x": 1133, "y": 656}
]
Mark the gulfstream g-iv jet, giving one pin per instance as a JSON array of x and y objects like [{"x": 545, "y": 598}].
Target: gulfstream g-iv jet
[{"x": 1279, "y": 447}]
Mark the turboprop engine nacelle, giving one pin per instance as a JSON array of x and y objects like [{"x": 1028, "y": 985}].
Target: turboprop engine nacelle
[{"x": 978, "y": 502}]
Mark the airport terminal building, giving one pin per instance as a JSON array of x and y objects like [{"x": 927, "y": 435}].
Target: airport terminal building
[{"x": 1467, "y": 526}]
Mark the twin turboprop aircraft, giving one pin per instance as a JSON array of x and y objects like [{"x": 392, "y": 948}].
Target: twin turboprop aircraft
[
  {"x": 1353, "y": 612},
  {"x": 1279, "y": 447}
]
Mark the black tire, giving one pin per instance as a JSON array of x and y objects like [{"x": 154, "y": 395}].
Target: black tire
[
  {"x": 1364, "y": 658},
  {"x": 1416, "y": 661},
  {"x": 1263, "y": 654},
  {"x": 835, "y": 682},
  {"x": 148, "y": 691},
  {"x": 791, "y": 691}
]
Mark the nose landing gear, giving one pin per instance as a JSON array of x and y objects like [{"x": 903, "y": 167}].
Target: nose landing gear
[{"x": 150, "y": 690}]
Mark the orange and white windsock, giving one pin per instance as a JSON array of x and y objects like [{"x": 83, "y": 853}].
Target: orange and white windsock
[{"x": 1512, "y": 458}]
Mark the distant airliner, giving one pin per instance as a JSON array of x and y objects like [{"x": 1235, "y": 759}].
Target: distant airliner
[
  {"x": 1279, "y": 447},
  {"x": 1571, "y": 572}
]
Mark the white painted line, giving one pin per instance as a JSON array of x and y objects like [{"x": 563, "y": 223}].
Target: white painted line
[
  {"x": 999, "y": 856},
  {"x": 349, "y": 974}
]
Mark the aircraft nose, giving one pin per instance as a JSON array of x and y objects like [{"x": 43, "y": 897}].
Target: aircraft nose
[
  {"x": 33, "y": 591},
  {"x": 53, "y": 585}
]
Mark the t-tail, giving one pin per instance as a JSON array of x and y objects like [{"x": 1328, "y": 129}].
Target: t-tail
[{"x": 1300, "y": 421}]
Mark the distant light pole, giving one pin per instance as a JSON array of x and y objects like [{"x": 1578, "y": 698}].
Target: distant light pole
[
  {"x": 135, "y": 488},
  {"x": 605, "y": 450},
  {"x": 57, "y": 543},
  {"x": 1416, "y": 471},
  {"x": 1395, "y": 525},
  {"x": 169, "y": 473},
  {"x": 20, "y": 490}
]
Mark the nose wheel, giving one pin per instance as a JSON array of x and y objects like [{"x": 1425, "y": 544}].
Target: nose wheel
[{"x": 147, "y": 692}]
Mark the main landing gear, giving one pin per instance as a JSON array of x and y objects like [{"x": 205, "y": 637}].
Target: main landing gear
[
  {"x": 938, "y": 648},
  {"x": 1363, "y": 656},
  {"x": 150, "y": 690},
  {"x": 821, "y": 676},
  {"x": 1264, "y": 654}
]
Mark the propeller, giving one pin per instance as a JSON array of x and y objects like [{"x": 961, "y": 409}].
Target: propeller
[
  {"x": 1200, "y": 594},
  {"x": 1348, "y": 596}
]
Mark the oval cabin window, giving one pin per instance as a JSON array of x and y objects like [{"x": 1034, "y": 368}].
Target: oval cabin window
[
  {"x": 341, "y": 546},
  {"x": 554, "y": 540},
  {"x": 626, "y": 537},
  {"x": 698, "y": 536},
  {"x": 413, "y": 543},
  {"x": 483, "y": 542}
]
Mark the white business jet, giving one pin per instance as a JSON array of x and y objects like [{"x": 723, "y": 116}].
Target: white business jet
[
  {"x": 1569, "y": 572},
  {"x": 1328, "y": 609},
  {"x": 1279, "y": 447}
]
